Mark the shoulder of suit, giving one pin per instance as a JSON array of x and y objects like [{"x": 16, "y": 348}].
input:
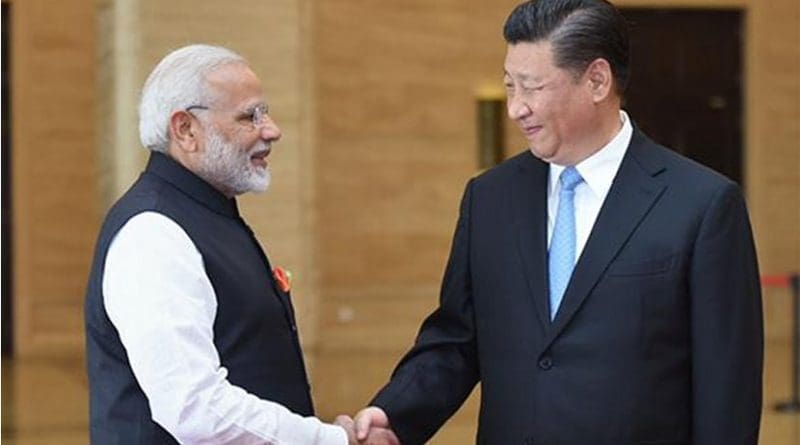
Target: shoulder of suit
[
  {"x": 505, "y": 169},
  {"x": 144, "y": 195},
  {"x": 679, "y": 169}
]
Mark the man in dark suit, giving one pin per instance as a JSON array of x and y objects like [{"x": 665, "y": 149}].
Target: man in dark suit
[{"x": 601, "y": 288}]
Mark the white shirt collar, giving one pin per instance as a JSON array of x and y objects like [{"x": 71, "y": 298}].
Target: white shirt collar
[{"x": 598, "y": 170}]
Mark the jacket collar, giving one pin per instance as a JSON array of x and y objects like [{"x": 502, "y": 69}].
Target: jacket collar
[{"x": 190, "y": 184}]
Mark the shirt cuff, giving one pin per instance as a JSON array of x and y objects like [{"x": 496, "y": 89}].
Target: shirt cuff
[{"x": 333, "y": 435}]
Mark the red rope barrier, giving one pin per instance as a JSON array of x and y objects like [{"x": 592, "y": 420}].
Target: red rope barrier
[
  {"x": 776, "y": 280},
  {"x": 793, "y": 282}
]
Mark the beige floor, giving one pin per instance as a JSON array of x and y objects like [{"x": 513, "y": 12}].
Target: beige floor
[{"x": 45, "y": 402}]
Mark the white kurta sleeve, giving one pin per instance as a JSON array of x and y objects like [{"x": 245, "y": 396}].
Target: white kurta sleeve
[{"x": 159, "y": 298}]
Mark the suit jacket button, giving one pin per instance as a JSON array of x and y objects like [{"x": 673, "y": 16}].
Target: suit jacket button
[{"x": 546, "y": 363}]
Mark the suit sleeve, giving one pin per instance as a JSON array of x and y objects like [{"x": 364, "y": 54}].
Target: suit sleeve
[
  {"x": 727, "y": 327},
  {"x": 435, "y": 377}
]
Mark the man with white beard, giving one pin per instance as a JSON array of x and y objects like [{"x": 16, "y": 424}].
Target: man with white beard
[{"x": 190, "y": 336}]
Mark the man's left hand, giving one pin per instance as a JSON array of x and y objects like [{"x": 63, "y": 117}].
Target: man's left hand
[{"x": 376, "y": 436}]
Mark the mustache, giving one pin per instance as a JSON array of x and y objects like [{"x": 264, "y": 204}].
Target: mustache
[{"x": 261, "y": 148}]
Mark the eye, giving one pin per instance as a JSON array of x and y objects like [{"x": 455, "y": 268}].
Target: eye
[
  {"x": 246, "y": 117},
  {"x": 531, "y": 89},
  {"x": 254, "y": 116}
]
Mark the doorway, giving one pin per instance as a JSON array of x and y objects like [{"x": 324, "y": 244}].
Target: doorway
[{"x": 686, "y": 82}]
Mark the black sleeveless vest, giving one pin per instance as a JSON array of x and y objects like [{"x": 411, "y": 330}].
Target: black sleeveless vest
[{"x": 254, "y": 331}]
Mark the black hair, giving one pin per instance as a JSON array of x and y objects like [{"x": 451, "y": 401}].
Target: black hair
[{"x": 579, "y": 32}]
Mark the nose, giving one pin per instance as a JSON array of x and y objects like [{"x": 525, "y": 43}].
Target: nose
[
  {"x": 517, "y": 108},
  {"x": 270, "y": 130}
]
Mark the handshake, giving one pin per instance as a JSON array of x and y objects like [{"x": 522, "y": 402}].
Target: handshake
[{"x": 370, "y": 427}]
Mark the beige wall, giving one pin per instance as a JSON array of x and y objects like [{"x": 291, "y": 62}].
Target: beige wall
[
  {"x": 53, "y": 171},
  {"x": 395, "y": 84},
  {"x": 376, "y": 102}
]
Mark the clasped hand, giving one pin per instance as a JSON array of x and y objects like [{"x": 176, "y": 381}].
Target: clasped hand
[{"x": 370, "y": 427}]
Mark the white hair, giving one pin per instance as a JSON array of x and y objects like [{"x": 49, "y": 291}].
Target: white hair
[{"x": 178, "y": 82}]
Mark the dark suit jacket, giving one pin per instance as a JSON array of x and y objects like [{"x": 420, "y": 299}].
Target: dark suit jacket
[{"x": 659, "y": 338}]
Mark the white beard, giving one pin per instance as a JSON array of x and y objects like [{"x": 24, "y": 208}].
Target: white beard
[{"x": 228, "y": 167}]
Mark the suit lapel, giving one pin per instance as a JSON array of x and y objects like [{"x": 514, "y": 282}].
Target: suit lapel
[
  {"x": 529, "y": 201},
  {"x": 632, "y": 195}
]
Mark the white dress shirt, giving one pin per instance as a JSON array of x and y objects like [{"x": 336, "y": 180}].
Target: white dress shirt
[
  {"x": 161, "y": 302},
  {"x": 598, "y": 172}
]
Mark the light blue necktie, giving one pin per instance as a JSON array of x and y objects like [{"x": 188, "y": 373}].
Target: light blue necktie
[{"x": 562, "y": 245}]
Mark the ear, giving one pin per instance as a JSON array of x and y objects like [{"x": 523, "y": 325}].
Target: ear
[
  {"x": 183, "y": 130},
  {"x": 600, "y": 80}
]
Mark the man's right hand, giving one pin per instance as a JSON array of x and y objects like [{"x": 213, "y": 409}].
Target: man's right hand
[{"x": 375, "y": 433}]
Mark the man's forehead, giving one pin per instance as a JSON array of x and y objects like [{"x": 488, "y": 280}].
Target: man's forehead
[
  {"x": 528, "y": 60},
  {"x": 236, "y": 84},
  {"x": 524, "y": 72}
]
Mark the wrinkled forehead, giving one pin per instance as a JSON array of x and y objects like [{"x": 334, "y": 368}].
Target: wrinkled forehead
[{"x": 529, "y": 60}]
